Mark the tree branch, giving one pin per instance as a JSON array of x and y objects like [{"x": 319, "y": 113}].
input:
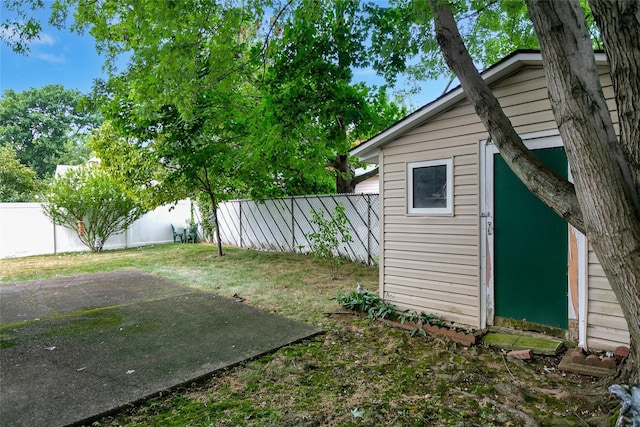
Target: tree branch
[
  {"x": 365, "y": 176},
  {"x": 555, "y": 191}
]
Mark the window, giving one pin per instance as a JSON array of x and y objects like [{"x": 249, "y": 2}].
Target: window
[{"x": 430, "y": 187}]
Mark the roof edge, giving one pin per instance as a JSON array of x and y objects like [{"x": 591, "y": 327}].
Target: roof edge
[{"x": 501, "y": 69}]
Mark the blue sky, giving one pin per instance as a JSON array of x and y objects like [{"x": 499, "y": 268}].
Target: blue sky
[
  {"x": 59, "y": 57},
  {"x": 62, "y": 57}
]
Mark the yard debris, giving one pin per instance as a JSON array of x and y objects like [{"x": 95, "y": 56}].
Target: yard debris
[
  {"x": 130, "y": 371},
  {"x": 521, "y": 354},
  {"x": 81, "y": 369},
  {"x": 621, "y": 352},
  {"x": 629, "y": 405},
  {"x": 237, "y": 298},
  {"x": 53, "y": 347},
  {"x": 357, "y": 413}
]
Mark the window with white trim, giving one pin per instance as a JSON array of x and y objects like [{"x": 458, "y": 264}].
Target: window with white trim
[{"x": 430, "y": 187}]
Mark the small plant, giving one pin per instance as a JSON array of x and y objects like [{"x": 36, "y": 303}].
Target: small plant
[
  {"x": 408, "y": 316},
  {"x": 360, "y": 301},
  {"x": 376, "y": 308},
  {"x": 430, "y": 319},
  {"x": 331, "y": 233},
  {"x": 367, "y": 302},
  {"x": 382, "y": 311}
]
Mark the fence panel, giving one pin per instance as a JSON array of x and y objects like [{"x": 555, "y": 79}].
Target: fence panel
[
  {"x": 230, "y": 219},
  {"x": 283, "y": 224},
  {"x": 26, "y": 231}
]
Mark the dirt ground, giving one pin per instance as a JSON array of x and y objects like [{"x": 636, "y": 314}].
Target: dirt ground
[{"x": 362, "y": 372}]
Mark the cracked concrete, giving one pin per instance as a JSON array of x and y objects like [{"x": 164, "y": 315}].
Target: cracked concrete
[{"x": 75, "y": 348}]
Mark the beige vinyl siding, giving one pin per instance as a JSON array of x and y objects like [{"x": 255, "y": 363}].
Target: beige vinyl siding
[
  {"x": 371, "y": 185},
  {"x": 606, "y": 327},
  {"x": 431, "y": 263}
]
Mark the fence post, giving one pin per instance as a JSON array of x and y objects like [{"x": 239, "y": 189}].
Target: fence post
[
  {"x": 293, "y": 226},
  {"x": 368, "y": 229},
  {"x": 55, "y": 238},
  {"x": 240, "y": 210}
]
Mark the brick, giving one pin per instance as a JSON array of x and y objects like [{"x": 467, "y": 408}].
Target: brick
[
  {"x": 621, "y": 352},
  {"x": 608, "y": 362},
  {"x": 592, "y": 360},
  {"x": 521, "y": 354}
]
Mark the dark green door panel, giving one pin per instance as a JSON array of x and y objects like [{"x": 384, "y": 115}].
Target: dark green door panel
[{"x": 530, "y": 244}]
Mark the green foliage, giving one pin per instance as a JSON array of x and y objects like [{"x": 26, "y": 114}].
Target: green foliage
[
  {"x": 360, "y": 301},
  {"x": 367, "y": 302},
  {"x": 421, "y": 318},
  {"x": 377, "y": 308},
  {"x": 278, "y": 93},
  {"x": 314, "y": 108},
  {"x": 88, "y": 201},
  {"x": 403, "y": 39},
  {"x": 329, "y": 235},
  {"x": 18, "y": 183},
  {"x": 47, "y": 126}
]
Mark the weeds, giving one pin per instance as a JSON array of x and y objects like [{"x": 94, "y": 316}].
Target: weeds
[
  {"x": 331, "y": 233},
  {"x": 359, "y": 372}
]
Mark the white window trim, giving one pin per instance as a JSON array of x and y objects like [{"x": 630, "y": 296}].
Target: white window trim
[{"x": 448, "y": 210}]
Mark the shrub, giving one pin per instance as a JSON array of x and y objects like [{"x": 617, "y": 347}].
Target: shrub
[
  {"x": 331, "y": 233},
  {"x": 88, "y": 201}
]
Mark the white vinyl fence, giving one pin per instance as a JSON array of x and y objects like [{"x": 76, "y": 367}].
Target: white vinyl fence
[
  {"x": 282, "y": 224},
  {"x": 26, "y": 231}
]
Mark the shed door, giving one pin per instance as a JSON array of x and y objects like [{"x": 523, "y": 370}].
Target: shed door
[{"x": 530, "y": 243}]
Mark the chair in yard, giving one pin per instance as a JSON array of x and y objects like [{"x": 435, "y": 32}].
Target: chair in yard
[
  {"x": 178, "y": 234},
  {"x": 192, "y": 234}
]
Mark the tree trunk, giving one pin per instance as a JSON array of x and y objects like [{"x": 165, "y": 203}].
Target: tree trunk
[
  {"x": 619, "y": 23},
  {"x": 344, "y": 174},
  {"x": 601, "y": 172},
  {"x": 603, "y": 203},
  {"x": 214, "y": 207},
  {"x": 555, "y": 191}
]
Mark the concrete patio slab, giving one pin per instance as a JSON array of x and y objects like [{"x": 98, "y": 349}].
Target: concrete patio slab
[{"x": 105, "y": 340}]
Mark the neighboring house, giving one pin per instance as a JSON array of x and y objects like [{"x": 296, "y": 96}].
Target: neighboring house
[
  {"x": 62, "y": 169},
  {"x": 463, "y": 238},
  {"x": 369, "y": 185}
]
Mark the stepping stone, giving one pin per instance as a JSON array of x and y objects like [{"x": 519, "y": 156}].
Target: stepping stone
[{"x": 538, "y": 344}]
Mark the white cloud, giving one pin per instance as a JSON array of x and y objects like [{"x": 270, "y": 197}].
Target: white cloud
[
  {"x": 9, "y": 34},
  {"x": 51, "y": 58},
  {"x": 12, "y": 34},
  {"x": 44, "y": 38}
]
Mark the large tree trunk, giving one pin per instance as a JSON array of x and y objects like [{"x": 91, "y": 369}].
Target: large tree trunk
[
  {"x": 346, "y": 180},
  {"x": 619, "y": 23},
  {"x": 555, "y": 191},
  {"x": 602, "y": 174},
  {"x": 603, "y": 203},
  {"x": 344, "y": 174}
]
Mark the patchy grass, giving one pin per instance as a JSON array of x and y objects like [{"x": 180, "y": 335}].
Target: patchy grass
[{"x": 357, "y": 373}]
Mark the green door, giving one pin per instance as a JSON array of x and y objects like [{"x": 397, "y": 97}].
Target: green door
[{"x": 530, "y": 247}]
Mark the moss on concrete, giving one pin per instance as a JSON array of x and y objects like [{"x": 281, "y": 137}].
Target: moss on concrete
[{"x": 539, "y": 344}]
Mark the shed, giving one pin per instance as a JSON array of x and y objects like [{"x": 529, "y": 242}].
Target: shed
[
  {"x": 370, "y": 185},
  {"x": 461, "y": 237}
]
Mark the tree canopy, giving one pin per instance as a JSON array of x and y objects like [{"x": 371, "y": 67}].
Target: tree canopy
[
  {"x": 47, "y": 126},
  {"x": 311, "y": 97},
  {"x": 18, "y": 183}
]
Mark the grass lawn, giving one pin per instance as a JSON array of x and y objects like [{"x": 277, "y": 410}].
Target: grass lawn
[{"x": 358, "y": 372}]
